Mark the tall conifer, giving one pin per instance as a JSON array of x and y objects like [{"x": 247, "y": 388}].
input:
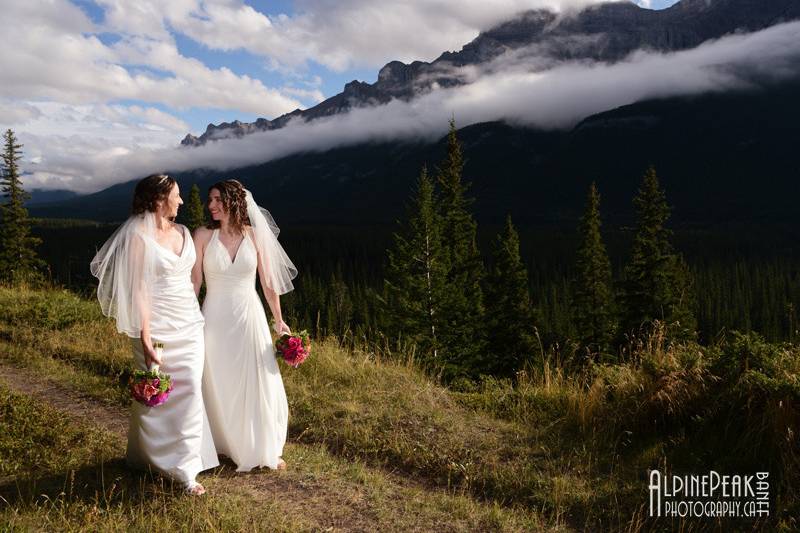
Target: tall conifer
[
  {"x": 17, "y": 246},
  {"x": 509, "y": 313},
  {"x": 417, "y": 274},
  {"x": 592, "y": 297},
  {"x": 464, "y": 332},
  {"x": 195, "y": 212},
  {"x": 340, "y": 304},
  {"x": 657, "y": 284}
]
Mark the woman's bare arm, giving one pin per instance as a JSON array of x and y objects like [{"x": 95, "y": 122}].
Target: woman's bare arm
[{"x": 200, "y": 238}]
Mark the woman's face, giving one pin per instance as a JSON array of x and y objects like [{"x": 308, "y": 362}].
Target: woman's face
[
  {"x": 169, "y": 208},
  {"x": 215, "y": 206}
]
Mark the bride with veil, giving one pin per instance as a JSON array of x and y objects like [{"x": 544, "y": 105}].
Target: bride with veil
[
  {"x": 242, "y": 385},
  {"x": 144, "y": 274}
]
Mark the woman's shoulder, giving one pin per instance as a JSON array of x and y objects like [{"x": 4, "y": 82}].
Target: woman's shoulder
[
  {"x": 202, "y": 234},
  {"x": 249, "y": 233},
  {"x": 180, "y": 228}
]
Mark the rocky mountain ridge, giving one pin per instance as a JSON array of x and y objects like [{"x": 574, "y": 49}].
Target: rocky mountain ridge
[{"x": 605, "y": 32}]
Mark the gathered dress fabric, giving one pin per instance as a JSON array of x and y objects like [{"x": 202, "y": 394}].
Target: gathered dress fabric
[
  {"x": 242, "y": 384},
  {"x": 174, "y": 438}
]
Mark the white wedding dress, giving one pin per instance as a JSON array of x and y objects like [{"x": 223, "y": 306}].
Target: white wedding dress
[
  {"x": 242, "y": 384},
  {"x": 174, "y": 438}
]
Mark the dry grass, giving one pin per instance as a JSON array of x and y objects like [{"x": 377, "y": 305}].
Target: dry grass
[
  {"x": 83, "y": 489},
  {"x": 558, "y": 448}
]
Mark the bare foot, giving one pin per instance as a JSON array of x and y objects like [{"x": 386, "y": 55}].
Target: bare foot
[
  {"x": 196, "y": 490},
  {"x": 281, "y": 464}
]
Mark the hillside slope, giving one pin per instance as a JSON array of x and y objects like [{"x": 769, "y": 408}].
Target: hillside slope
[{"x": 564, "y": 449}]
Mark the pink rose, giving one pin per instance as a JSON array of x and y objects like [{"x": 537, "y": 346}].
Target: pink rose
[
  {"x": 294, "y": 342},
  {"x": 149, "y": 391}
]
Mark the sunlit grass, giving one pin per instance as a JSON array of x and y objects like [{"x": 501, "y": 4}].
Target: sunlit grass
[
  {"x": 558, "y": 447},
  {"x": 84, "y": 489}
]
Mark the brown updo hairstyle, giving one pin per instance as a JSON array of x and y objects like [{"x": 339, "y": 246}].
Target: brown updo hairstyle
[
  {"x": 151, "y": 190},
  {"x": 234, "y": 202}
]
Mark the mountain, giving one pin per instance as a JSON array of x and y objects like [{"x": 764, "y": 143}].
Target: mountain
[
  {"x": 605, "y": 32},
  {"x": 47, "y": 196},
  {"x": 721, "y": 157}
]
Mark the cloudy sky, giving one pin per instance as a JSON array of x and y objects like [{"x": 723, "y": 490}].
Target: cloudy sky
[{"x": 103, "y": 90}]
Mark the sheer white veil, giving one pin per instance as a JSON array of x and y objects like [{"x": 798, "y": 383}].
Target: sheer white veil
[
  {"x": 125, "y": 269},
  {"x": 278, "y": 268}
]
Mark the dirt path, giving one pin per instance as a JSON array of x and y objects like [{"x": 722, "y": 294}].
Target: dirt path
[
  {"x": 325, "y": 496},
  {"x": 74, "y": 405},
  {"x": 331, "y": 510}
]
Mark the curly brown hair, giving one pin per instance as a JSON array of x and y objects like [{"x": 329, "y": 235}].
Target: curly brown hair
[
  {"x": 151, "y": 190},
  {"x": 234, "y": 202}
]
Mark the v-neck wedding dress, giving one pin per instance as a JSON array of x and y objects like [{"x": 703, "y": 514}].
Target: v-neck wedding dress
[{"x": 242, "y": 384}]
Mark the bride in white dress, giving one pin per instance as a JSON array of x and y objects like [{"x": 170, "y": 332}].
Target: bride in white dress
[
  {"x": 242, "y": 384},
  {"x": 144, "y": 273}
]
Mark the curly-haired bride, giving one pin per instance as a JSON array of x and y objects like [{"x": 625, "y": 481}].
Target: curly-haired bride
[{"x": 242, "y": 384}]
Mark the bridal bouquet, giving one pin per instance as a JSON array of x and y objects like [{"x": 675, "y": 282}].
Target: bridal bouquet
[
  {"x": 294, "y": 348},
  {"x": 150, "y": 387}
]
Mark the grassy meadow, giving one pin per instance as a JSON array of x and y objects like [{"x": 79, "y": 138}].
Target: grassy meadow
[{"x": 376, "y": 444}]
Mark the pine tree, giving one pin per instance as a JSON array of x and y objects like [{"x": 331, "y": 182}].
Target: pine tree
[
  {"x": 509, "y": 312},
  {"x": 592, "y": 296},
  {"x": 464, "y": 330},
  {"x": 683, "y": 324},
  {"x": 340, "y": 304},
  {"x": 657, "y": 284},
  {"x": 415, "y": 284},
  {"x": 195, "y": 212},
  {"x": 18, "y": 258}
]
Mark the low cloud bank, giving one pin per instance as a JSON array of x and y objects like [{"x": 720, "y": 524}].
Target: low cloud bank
[{"x": 504, "y": 90}]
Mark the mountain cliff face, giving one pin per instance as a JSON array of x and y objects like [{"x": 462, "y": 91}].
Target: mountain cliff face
[{"x": 605, "y": 32}]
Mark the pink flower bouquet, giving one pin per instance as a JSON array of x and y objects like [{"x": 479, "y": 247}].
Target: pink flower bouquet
[
  {"x": 294, "y": 348},
  {"x": 150, "y": 387}
]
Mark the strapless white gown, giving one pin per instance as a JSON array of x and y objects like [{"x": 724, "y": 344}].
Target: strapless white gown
[
  {"x": 242, "y": 384},
  {"x": 174, "y": 438}
]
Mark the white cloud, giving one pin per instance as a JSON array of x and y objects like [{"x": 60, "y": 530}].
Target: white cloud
[
  {"x": 359, "y": 33},
  {"x": 157, "y": 120},
  {"x": 113, "y": 122},
  {"x": 64, "y": 144},
  {"x": 308, "y": 95},
  {"x": 52, "y": 53},
  {"x": 194, "y": 84},
  {"x": 15, "y": 113},
  {"x": 556, "y": 98},
  {"x": 339, "y": 34}
]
